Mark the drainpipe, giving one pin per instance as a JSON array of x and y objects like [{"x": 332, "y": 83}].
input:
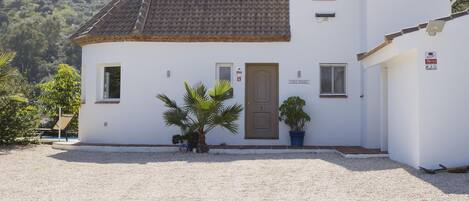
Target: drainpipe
[{"x": 60, "y": 116}]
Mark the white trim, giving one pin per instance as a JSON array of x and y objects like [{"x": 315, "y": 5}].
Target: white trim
[
  {"x": 100, "y": 82},
  {"x": 224, "y": 65}
]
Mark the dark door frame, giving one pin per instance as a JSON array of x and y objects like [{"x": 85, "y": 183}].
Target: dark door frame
[{"x": 276, "y": 66}]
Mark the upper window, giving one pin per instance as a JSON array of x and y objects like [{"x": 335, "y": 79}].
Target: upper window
[
  {"x": 112, "y": 83},
  {"x": 333, "y": 79},
  {"x": 224, "y": 72}
]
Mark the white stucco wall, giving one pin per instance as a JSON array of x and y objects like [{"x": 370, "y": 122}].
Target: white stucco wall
[
  {"x": 138, "y": 117},
  {"x": 384, "y": 17},
  {"x": 403, "y": 107},
  {"x": 427, "y": 109},
  {"x": 445, "y": 97}
]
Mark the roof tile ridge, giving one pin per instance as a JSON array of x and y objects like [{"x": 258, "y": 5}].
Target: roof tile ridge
[
  {"x": 99, "y": 20},
  {"x": 142, "y": 17},
  {"x": 84, "y": 28}
]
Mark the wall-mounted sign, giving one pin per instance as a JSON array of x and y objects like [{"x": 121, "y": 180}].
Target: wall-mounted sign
[
  {"x": 298, "y": 81},
  {"x": 431, "y": 61},
  {"x": 239, "y": 75}
]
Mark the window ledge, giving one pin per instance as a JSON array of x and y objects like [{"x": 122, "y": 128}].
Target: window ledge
[
  {"x": 108, "y": 102},
  {"x": 332, "y": 96}
]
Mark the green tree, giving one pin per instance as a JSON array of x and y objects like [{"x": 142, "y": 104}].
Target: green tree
[
  {"x": 62, "y": 91},
  {"x": 38, "y": 31},
  {"x": 202, "y": 111},
  {"x": 6, "y": 75},
  {"x": 3, "y": 17},
  {"x": 460, "y": 5},
  {"x": 18, "y": 118},
  {"x": 30, "y": 46}
]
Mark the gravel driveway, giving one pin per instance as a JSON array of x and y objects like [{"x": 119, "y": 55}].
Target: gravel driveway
[{"x": 41, "y": 173}]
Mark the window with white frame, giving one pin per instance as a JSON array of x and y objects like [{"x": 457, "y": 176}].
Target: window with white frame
[
  {"x": 333, "y": 79},
  {"x": 112, "y": 83},
  {"x": 224, "y": 71}
]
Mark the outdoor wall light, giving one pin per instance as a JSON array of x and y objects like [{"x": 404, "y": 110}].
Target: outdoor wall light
[
  {"x": 435, "y": 26},
  {"x": 168, "y": 73},
  {"x": 298, "y": 74}
]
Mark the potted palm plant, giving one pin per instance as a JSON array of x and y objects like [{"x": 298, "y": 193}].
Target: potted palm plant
[
  {"x": 203, "y": 110},
  {"x": 291, "y": 112}
]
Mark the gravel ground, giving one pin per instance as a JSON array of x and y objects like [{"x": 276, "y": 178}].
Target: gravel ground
[{"x": 41, "y": 173}]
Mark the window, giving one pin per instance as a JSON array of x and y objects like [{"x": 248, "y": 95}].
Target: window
[
  {"x": 333, "y": 79},
  {"x": 112, "y": 83},
  {"x": 224, "y": 72}
]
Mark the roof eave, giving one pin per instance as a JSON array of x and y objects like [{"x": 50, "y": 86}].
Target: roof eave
[
  {"x": 86, "y": 39},
  {"x": 390, "y": 37}
]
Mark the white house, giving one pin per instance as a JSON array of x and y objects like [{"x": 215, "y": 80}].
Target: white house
[
  {"x": 136, "y": 49},
  {"x": 424, "y": 99}
]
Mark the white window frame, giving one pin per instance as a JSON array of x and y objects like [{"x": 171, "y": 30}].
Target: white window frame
[
  {"x": 224, "y": 65},
  {"x": 101, "y": 79},
  {"x": 333, "y": 65}
]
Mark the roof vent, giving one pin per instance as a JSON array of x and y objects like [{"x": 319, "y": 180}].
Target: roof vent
[{"x": 325, "y": 15}]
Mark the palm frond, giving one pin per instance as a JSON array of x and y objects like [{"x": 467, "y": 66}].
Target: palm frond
[
  {"x": 221, "y": 90},
  {"x": 176, "y": 117},
  {"x": 167, "y": 101},
  {"x": 5, "y": 72},
  {"x": 190, "y": 96},
  {"x": 227, "y": 117},
  {"x": 6, "y": 58}
]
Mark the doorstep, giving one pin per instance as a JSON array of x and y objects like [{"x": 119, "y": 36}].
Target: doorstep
[
  {"x": 345, "y": 151},
  {"x": 360, "y": 152}
]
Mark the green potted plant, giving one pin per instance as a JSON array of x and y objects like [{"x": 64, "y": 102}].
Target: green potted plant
[
  {"x": 291, "y": 112},
  {"x": 202, "y": 111}
]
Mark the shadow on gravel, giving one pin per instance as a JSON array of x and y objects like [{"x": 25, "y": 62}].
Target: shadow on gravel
[
  {"x": 447, "y": 183},
  {"x": 144, "y": 158},
  {"x": 5, "y": 150}
]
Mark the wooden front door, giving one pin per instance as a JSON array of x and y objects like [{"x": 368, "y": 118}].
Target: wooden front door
[{"x": 261, "y": 101}]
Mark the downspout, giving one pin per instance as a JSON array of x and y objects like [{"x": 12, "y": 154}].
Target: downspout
[{"x": 363, "y": 48}]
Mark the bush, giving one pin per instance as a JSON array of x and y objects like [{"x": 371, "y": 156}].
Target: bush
[
  {"x": 291, "y": 112},
  {"x": 18, "y": 118},
  {"x": 18, "y": 121},
  {"x": 62, "y": 91}
]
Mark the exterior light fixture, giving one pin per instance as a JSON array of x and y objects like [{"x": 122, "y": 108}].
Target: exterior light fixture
[{"x": 435, "y": 26}]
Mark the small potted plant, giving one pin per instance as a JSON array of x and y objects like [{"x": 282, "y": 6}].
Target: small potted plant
[{"x": 291, "y": 112}]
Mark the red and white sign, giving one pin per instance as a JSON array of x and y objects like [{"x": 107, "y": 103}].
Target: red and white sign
[{"x": 431, "y": 61}]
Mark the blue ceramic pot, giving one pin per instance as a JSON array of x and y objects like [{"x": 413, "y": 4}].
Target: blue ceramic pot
[{"x": 297, "y": 138}]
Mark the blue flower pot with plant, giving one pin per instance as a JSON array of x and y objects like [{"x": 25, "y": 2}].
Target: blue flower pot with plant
[{"x": 291, "y": 112}]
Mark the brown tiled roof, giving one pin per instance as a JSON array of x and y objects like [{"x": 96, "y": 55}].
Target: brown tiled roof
[
  {"x": 188, "y": 21},
  {"x": 390, "y": 37}
]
